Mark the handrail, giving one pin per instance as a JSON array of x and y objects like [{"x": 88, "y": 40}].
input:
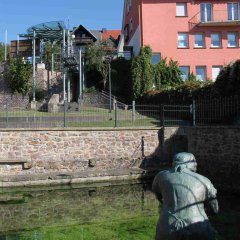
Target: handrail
[
  {"x": 218, "y": 16},
  {"x": 113, "y": 98}
]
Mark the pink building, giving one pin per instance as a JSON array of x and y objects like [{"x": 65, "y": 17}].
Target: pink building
[{"x": 201, "y": 35}]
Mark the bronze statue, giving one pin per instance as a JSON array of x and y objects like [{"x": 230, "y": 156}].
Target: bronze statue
[{"x": 184, "y": 194}]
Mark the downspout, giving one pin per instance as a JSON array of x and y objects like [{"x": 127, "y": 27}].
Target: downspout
[{"x": 141, "y": 23}]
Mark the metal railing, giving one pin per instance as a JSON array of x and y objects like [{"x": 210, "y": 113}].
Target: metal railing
[
  {"x": 216, "y": 17},
  {"x": 205, "y": 111}
]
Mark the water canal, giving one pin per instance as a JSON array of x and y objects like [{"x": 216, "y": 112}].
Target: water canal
[{"x": 87, "y": 212}]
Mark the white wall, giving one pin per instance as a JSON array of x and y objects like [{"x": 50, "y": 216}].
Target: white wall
[{"x": 135, "y": 42}]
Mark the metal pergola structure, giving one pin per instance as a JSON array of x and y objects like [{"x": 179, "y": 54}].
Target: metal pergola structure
[{"x": 49, "y": 31}]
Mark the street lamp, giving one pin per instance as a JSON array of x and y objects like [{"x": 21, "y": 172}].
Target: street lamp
[{"x": 108, "y": 60}]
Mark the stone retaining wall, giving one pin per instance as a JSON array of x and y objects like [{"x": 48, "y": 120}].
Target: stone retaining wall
[
  {"x": 217, "y": 150},
  {"x": 69, "y": 151}
]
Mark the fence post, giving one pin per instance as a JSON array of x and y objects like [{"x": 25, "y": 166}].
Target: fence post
[
  {"x": 65, "y": 110},
  {"x": 133, "y": 112},
  {"x": 7, "y": 120},
  {"x": 193, "y": 113},
  {"x": 115, "y": 106},
  {"x": 162, "y": 114}
]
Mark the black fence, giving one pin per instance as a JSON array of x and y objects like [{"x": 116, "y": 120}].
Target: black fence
[{"x": 207, "y": 111}]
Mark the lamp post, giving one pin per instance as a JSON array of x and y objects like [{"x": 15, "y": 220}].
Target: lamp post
[{"x": 108, "y": 60}]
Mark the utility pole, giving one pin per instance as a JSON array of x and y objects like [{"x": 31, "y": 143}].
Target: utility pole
[
  {"x": 34, "y": 63},
  {"x": 64, "y": 74},
  {"x": 80, "y": 75}
]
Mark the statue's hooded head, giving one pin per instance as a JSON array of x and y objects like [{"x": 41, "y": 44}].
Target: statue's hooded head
[{"x": 184, "y": 160}]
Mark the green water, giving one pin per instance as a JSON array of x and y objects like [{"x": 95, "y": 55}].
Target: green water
[
  {"x": 87, "y": 212},
  {"x": 127, "y": 211}
]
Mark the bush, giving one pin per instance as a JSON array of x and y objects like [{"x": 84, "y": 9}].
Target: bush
[
  {"x": 228, "y": 80},
  {"x": 182, "y": 93}
]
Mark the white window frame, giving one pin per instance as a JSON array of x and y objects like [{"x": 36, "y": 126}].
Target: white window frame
[
  {"x": 186, "y": 40},
  {"x": 181, "y": 9},
  {"x": 212, "y": 40},
  {"x": 204, "y": 78},
  {"x": 205, "y": 14},
  {"x": 185, "y": 76},
  {"x": 215, "y": 67},
  {"x": 229, "y": 40},
  {"x": 232, "y": 16},
  {"x": 195, "y": 40}
]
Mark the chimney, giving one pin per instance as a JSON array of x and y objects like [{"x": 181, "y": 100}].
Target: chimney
[{"x": 104, "y": 30}]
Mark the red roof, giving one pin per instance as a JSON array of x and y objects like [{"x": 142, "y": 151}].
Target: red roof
[{"x": 114, "y": 33}]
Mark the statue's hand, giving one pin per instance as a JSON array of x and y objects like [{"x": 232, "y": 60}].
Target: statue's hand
[{"x": 212, "y": 206}]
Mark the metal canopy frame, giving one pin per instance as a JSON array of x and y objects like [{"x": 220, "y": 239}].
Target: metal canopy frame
[{"x": 52, "y": 31}]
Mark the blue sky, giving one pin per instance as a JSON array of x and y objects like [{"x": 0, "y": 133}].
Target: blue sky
[{"x": 17, "y": 15}]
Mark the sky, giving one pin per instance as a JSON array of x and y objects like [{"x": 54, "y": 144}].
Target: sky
[{"x": 18, "y": 15}]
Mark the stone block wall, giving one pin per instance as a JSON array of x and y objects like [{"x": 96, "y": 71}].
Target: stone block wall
[
  {"x": 69, "y": 151},
  {"x": 217, "y": 150}
]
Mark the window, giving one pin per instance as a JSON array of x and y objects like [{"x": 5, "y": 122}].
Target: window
[
  {"x": 216, "y": 41},
  {"x": 232, "y": 39},
  {"x": 206, "y": 12},
  {"x": 156, "y": 57},
  {"x": 181, "y": 9},
  {"x": 126, "y": 32},
  {"x": 215, "y": 71},
  {"x": 129, "y": 5},
  {"x": 182, "y": 40},
  {"x": 199, "y": 40},
  {"x": 201, "y": 73},
  {"x": 131, "y": 25},
  {"x": 185, "y": 72},
  {"x": 233, "y": 11}
]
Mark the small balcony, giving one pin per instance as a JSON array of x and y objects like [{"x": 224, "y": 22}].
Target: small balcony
[
  {"x": 83, "y": 40},
  {"x": 214, "y": 19}
]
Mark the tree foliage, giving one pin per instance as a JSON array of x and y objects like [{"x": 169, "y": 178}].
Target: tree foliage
[
  {"x": 146, "y": 75},
  {"x": 142, "y": 72},
  {"x": 95, "y": 61},
  {"x": 228, "y": 80},
  {"x": 50, "y": 49},
  {"x": 2, "y": 51},
  {"x": 167, "y": 74},
  {"x": 121, "y": 79},
  {"x": 18, "y": 76}
]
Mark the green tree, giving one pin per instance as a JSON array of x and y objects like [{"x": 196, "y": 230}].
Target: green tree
[
  {"x": 167, "y": 74},
  {"x": 142, "y": 72},
  {"x": 228, "y": 80},
  {"x": 96, "y": 65},
  {"x": 18, "y": 76},
  {"x": 49, "y": 49},
  {"x": 2, "y": 51}
]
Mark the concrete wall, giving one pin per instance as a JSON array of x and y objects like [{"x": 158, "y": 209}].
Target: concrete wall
[{"x": 217, "y": 150}]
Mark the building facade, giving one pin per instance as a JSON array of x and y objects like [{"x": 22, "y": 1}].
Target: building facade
[{"x": 202, "y": 36}]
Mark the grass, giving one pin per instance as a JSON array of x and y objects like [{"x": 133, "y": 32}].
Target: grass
[{"x": 85, "y": 117}]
